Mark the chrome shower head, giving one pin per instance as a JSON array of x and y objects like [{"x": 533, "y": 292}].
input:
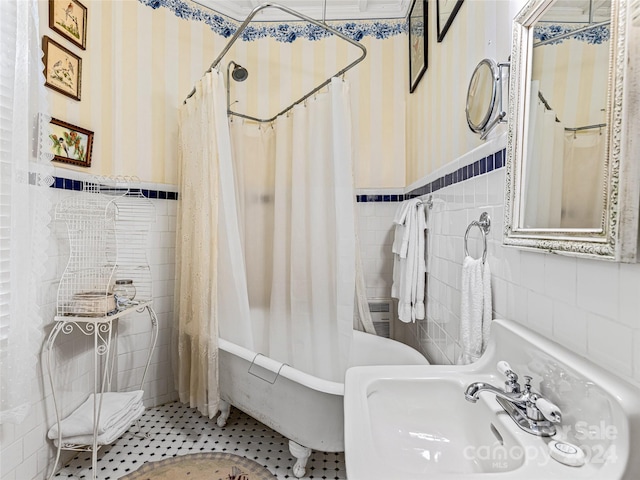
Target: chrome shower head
[{"x": 239, "y": 73}]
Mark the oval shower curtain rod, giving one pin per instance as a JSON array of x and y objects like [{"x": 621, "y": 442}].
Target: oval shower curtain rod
[{"x": 302, "y": 17}]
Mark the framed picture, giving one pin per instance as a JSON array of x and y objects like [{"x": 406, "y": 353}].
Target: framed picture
[
  {"x": 446, "y": 11},
  {"x": 70, "y": 144},
  {"x": 417, "y": 42},
  {"x": 69, "y": 19},
  {"x": 62, "y": 69}
]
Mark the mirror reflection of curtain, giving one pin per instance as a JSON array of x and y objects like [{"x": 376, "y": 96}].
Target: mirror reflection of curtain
[
  {"x": 544, "y": 171},
  {"x": 582, "y": 191}
]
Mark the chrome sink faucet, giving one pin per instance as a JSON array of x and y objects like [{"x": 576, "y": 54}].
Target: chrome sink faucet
[{"x": 530, "y": 410}]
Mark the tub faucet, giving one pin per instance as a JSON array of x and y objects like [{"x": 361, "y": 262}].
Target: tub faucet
[{"x": 530, "y": 410}]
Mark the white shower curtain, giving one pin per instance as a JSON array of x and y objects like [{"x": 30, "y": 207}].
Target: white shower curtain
[
  {"x": 295, "y": 191},
  {"x": 265, "y": 238}
]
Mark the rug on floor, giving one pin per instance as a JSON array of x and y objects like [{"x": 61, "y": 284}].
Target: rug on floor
[{"x": 202, "y": 466}]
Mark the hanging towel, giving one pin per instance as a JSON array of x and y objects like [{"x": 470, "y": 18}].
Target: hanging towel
[
  {"x": 111, "y": 434},
  {"x": 115, "y": 406},
  {"x": 475, "y": 311},
  {"x": 409, "y": 265},
  {"x": 400, "y": 220}
]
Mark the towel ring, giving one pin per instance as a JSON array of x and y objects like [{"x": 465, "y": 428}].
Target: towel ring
[{"x": 484, "y": 224}]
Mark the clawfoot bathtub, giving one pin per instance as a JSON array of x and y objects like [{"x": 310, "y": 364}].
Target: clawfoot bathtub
[{"x": 305, "y": 409}]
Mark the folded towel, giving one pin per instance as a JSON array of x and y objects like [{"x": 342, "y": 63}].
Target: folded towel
[
  {"x": 475, "y": 309},
  {"x": 109, "y": 436},
  {"x": 115, "y": 405},
  {"x": 409, "y": 267}
]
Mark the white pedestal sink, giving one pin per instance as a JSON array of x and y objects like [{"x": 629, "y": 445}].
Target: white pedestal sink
[{"x": 413, "y": 422}]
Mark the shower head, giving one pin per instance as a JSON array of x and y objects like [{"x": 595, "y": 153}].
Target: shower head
[{"x": 239, "y": 73}]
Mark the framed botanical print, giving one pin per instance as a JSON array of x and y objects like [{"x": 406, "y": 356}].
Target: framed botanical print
[
  {"x": 62, "y": 69},
  {"x": 417, "y": 42},
  {"x": 69, "y": 19},
  {"x": 70, "y": 144}
]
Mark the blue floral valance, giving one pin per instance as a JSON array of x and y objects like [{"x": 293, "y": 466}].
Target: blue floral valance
[
  {"x": 594, "y": 36},
  {"x": 282, "y": 32}
]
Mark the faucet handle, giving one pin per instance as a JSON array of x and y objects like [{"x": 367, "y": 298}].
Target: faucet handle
[
  {"x": 550, "y": 411},
  {"x": 505, "y": 369},
  {"x": 511, "y": 385}
]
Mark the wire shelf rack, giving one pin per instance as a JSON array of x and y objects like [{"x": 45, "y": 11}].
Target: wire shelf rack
[{"x": 108, "y": 225}]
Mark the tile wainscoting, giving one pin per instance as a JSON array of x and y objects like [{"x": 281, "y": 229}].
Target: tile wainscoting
[
  {"x": 25, "y": 450},
  {"x": 590, "y": 306}
]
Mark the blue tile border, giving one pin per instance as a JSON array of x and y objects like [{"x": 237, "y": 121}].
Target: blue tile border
[
  {"x": 62, "y": 183},
  {"x": 482, "y": 166}
]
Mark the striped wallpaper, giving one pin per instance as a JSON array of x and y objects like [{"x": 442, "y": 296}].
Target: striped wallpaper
[
  {"x": 575, "y": 80},
  {"x": 437, "y": 131},
  {"x": 141, "y": 62}
]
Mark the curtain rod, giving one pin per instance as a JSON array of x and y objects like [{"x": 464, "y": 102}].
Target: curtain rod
[
  {"x": 586, "y": 127},
  {"x": 301, "y": 16}
]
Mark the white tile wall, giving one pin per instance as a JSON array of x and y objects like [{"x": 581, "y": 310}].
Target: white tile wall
[
  {"x": 589, "y": 306},
  {"x": 375, "y": 231},
  {"x": 25, "y": 453}
]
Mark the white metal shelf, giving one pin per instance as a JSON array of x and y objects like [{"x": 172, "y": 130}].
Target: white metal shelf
[
  {"x": 103, "y": 319},
  {"x": 108, "y": 225}
]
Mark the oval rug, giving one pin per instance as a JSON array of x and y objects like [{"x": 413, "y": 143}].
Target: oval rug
[{"x": 202, "y": 466}]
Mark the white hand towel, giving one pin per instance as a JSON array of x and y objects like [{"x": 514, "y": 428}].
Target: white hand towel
[
  {"x": 409, "y": 261},
  {"x": 475, "y": 311},
  {"x": 110, "y": 435},
  {"x": 403, "y": 219},
  {"x": 115, "y": 405},
  {"x": 417, "y": 296}
]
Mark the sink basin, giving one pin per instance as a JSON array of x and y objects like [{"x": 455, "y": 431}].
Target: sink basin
[
  {"x": 413, "y": 422},
  {"x": 411, "y": 428}
]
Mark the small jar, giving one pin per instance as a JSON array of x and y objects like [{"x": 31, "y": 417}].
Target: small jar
[{"x": 124, "y": 290}]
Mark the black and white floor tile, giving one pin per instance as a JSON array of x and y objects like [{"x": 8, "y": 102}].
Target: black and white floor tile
[{"x": 175, "y": 429}]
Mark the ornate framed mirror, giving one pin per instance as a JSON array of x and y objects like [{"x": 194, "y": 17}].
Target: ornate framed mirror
[{"x": 572, "y": 183}]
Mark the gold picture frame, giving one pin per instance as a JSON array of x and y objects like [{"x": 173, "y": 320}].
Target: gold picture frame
[
  {"x": 69, "y": 19},
  {"x": 62, "y": 69},
  {"x": 417, "y": 42},
  {"x": 70, "y": 144}
]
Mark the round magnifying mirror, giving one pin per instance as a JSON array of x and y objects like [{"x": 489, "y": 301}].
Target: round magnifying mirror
[{"x": 481, "y": 96}]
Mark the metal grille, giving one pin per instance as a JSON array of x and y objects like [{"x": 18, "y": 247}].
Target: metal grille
[{"x": 381, "y": 315}]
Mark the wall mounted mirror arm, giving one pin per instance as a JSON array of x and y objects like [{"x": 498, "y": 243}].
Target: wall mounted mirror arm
[{"x": 501, "y": 115}]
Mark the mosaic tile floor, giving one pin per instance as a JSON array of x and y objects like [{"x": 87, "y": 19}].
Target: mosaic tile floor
[{"x": 174, "y": 429}]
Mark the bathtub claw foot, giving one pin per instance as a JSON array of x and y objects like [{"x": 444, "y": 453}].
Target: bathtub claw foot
[
  {"x": 302, "y": 454},
  {"x": 225, "y": 410}
]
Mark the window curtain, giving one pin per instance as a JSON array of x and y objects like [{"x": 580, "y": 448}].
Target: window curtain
[{"x": 24, "y": 205}]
